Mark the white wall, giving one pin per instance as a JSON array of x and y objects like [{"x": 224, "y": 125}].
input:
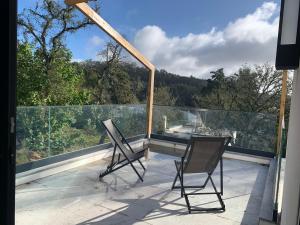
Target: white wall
[{"x": 291, "y": 188}]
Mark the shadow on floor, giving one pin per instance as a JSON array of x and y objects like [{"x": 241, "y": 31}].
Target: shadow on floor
[
  {"x": 135, "y": 210},
  {"x": 143, "y": 210}
]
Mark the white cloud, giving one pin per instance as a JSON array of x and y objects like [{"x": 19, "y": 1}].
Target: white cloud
[
  {"x": 93, "y": 46},
  {"x": 77, "y": 60},
  {"x": 95, "y": 41},
  {"x": 250, "y": 39}
]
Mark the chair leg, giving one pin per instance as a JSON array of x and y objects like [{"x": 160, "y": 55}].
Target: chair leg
[
  {"x": 136, "y": 171},
  {"x": 187, "y": 203},
  {"x": 209, "y": 178},
  {"x": 176, "y": 177},
  {"x": 221, "y": 175},
  {"x": 206, "y": 181},
  {"x": 218, "y": 194},
  {"x": 181, "y": 185},
  {"x": 141, "y": 164},
  {"x": 190, "y": 209},
  {"x": 174, "y": 182},
  {"x": 180, "y": 176}
]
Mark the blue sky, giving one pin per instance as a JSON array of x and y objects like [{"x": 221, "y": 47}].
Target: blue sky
[{"x": 188, "y": 38}]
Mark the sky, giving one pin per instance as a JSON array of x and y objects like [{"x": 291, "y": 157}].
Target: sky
[{"x": 187, "y": 38}]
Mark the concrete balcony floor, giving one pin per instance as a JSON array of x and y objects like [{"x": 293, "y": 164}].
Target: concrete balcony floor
[{"x": 76, "y": 197}]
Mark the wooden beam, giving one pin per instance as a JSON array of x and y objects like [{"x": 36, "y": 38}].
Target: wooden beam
[
  {"x": 73, "y": 2},
  {"x": 150, "y": 102},
  {"x": 100, "y": 22},
  {"x": 282, "y": 109}
]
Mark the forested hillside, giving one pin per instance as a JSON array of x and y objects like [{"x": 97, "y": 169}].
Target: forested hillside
[
  {"x": 113, "y": 81},
  {"x": 170, "y": 89}
]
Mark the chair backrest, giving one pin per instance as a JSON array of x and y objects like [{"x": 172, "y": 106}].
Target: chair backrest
[
  {"x": 115, "y": 135},
  {"x": 204, "y": 154}
]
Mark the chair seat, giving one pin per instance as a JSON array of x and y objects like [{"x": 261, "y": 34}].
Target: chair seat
[
  {"x": 137, "y": 155},
  {"x": 133, "y": 156},
  {"x": 178, "y": 165}
]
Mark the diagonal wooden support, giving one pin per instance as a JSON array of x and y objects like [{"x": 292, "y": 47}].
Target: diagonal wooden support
[
  {"x": 73, "y": 2},
  {"x": 102, "y": 24}
]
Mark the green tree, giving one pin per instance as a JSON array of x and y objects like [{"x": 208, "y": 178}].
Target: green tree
[
  {"x": 46, "y": 75},
  {"x": 30, "y": 77},
  {"x": 61, "y": 86},
  {"x": 46, "y": 26},
  {"x": 113, "y": 84},
  {"x": 163, "y": 96},
  {"x": 66, "y": 82},
  {"x": 220, "y": 92},
  {"x": 255, "y": 89},
  {"x": 120, "y": 86},
  {"x": 259, "y": 89}
]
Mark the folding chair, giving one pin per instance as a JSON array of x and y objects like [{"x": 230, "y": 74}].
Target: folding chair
[
  {"x": 125, "y": 155},
  {"x": 202, "y": 155}
]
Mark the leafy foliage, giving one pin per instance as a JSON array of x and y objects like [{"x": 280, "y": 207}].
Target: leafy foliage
[
  {"x": 62, "y": 85},
  {"x": 248, "y": 90},
  {"x": 47, "y": 24},
  {"x": 30, "y": 77},
  {"x": 47, "y": 76}
]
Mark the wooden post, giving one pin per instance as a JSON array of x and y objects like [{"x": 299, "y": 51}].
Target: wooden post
[
  {"x": 282, "y": 109},
  {"x": 149, "y": 121},
  {"x": 101, "y": 23},
  {"x": 150, "y": 102}
]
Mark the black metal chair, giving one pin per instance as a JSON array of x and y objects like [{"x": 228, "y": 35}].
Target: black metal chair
[
  {"x": 123, "y": 154},
  {"x": 202, "y": 155}
]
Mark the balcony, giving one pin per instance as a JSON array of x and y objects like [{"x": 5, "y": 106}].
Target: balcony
[{"x": 57, "y": 179}]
